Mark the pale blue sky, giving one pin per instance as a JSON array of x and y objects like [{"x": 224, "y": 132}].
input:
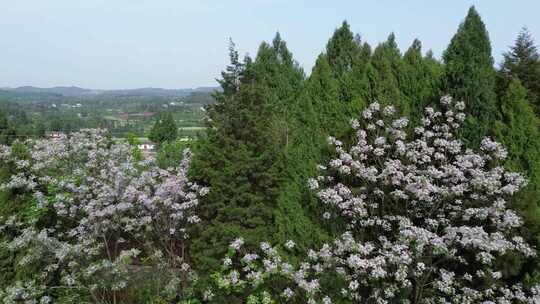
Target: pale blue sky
[{"x": 176, "y": 43}]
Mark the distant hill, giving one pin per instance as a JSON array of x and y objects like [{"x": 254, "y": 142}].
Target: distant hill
[
  {"x": 207, "y": 89},
  {"x": 11, "y": 93},
  {"x": 64, "y": 91},
  {"x": 81, "y": 92},
  {"x": 149, "y": 92}
]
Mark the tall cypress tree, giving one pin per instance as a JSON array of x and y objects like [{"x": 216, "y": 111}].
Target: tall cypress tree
[
  {"x": 518, "y": 129},
  {"x": 341, "y": 52},
  {"x": 386, "y": 75},
  {"x": 333, "y": 94},
  {"x": 277, "y": 74},
  {"x": 296, "y": 214},
  {"x": 324, "y": 92},
  {"x": 231, "y": 76},
  {"x": 523, "y": 62},
  {"x": 358, "y": 79},
  {"x": 234, "y": 161},
  {"x": 344, "y": 64},
  {"x": 421, "y": 81},
  {"x": 470, "y": 76},
  {"x": 244, "y": 154},
  {"x": 164, "y": 129},
  {"x": 435, "y": 67}
]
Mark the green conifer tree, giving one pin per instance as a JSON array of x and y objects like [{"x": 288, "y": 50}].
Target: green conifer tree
[
  {"x": 324, "y": 92},
  {"x": 359, "y": 80},
  {"x": 386, "y": 73},
  {"x": 342, "y": 50},
  {"x": 342, "y": 67},
  {"x": 170, "y": 154},
  {"x": 523, "y": 62},
  {"x": 421, "y": 81},
  {"x": 244, "y": 156},
  {"x": 518, "y": 129},
  {"x": 164, "y": 129},
  {"x": 234, "y": 160},
  {"x": 230, "y": 78},
  {"x": 470, "y": 76}
]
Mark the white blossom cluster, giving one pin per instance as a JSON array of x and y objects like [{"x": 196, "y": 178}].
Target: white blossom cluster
[
  {"x": 111, "y": 212},
  {"x": 427, "y": 219}
]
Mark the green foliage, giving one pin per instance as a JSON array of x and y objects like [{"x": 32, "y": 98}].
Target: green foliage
[
  {"x": 7, "y": 132},
  {"x": 337, "y": 87},
  {"x": 523, "y": 62},
  {"x": 470, "y": 76},
  {"x": 170, "y": 154},
  {"x": 342, "y": 51},
  {"x": 164, "y": 129},
  {"x": 421, "y": 80},
  {"x": 246, "y": 156},
  {"x": 230, "y": 78},
  {"x": 235, "y": 158},
  {"x": 293, "y": 218},
  {"x": 14, "y": 203},
  {"x": 518, "y": 129},
  {"x": 386, "y": 74},
  {"x": 134, "y": 141},
  {"x": 359, "y": 90},
  {"x": 323, "y": 93}
]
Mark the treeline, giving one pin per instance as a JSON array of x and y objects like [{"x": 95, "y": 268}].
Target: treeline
[{"x": 268, "y": 128}]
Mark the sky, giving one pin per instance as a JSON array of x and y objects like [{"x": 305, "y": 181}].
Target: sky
[{"x": 123, "y": 44}]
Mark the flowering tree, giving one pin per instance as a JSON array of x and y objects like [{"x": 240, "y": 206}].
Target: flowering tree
[
  {"x": 426, "y": 221},
  {"x": 110, "y": 217}
]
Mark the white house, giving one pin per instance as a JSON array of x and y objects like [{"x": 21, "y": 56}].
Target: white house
[
  {"x": 146, "y": 146},
  {"x": 56, "y": 135}
]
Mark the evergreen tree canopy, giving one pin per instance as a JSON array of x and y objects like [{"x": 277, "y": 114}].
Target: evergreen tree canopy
[
  {"x": 164, "y": 129},
  {"x": 359, "y": 80},
  {"x": 230, "y": 78},
  {"x": 421, "y": 80},
  {"x": 323, "y": 90},
  {"x": 342, "y": 51},
  {"x": 518, "y": 129},
  {"x": 470, "y": 76},
  {"x": 342, "y": 71},
  {"x": 523, "y": 62},
  {"x": 243, "y": 156},
  {"x": 170, "y": 154},
  {"x": 386, "y": 74}
]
